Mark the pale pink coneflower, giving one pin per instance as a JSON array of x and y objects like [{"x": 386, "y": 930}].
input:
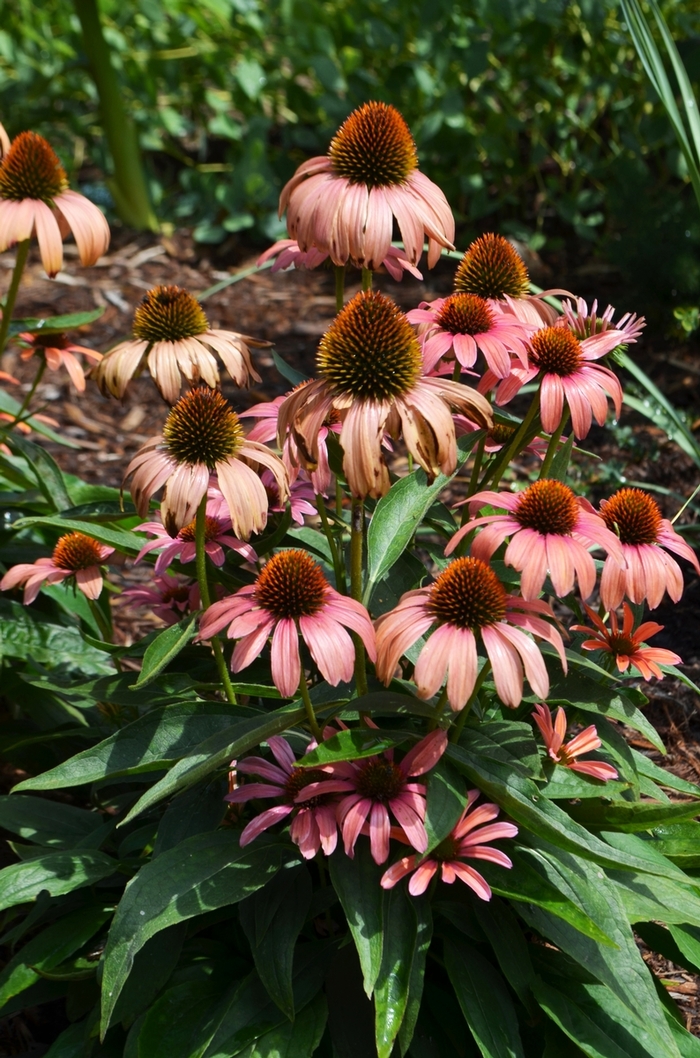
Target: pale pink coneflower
[
  {"x": 377, "y": 785},
  {"x": 585, "y": 323},
  {"x": 35, "y": 200},
  {"x": 202, "y": 436},
  {"x": 466, "y": 603},
  {"x": 287, "y": 254},
  {"x": 466, "y": 841},
  {"x": 625, "y": 645},
  {"x": 456, "y": 328},
  {"x": 265, "y": 430},
  {"x": 75, "y": 556},
  {"x": 183, "y": 547},
  {"x": 550, "y": 531},
  {"x": 345, "y": 203},
  {"x": 58, "y": 351},
  {"x": 492, "y": 268},
  {"x": 645, "y": 537},
  {"x": 172, "y": 337},
  {"x": 301, "y": 497},
  {"x": 586, "y": 741},
  {"x": 313, "y": 826},
  {"x": 169, "y": 597},
  {"x": 369, "y": 368},
  {"x": 291, "y": 597}
]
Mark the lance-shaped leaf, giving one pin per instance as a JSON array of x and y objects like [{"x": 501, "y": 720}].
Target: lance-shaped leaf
[
  {"x": 164, "y": 648},
  {"x": 356, "y": 881},
  {"x": 485, "y": 1001},
  {"x": 57, "y": 872}
]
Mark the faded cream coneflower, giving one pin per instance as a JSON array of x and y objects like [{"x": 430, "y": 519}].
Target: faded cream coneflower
[
  {"x": 202, "y": 436},
  {"x": 344, "y": 203},
  {"x": 369, "y": 368},
  {"x": 172, "y": 337},
  {"x": 35, "y": 200}
]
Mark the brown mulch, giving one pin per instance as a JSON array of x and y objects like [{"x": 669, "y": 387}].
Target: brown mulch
[{"x": 292, "y": 310}]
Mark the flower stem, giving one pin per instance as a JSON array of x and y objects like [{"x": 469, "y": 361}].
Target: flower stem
[
  {"x": 461, "y": 720},
  {"x": 28, "y": 399},
  {"x": 339, "y": 287},
  {"x": 553, "y": 445},
  {"x": 439, "y": 709},
  {"x": 310, "y": 714},
  {"x": 456, "y": 371},
  {"x": 356, "y": 533},
  {"x": 366, "y": 279},
  {"x": 205, "y": 597},
  {"x": 523, "y": 435},
  {"x": 476, "y": 469},
  {"x": 8, "y": 307},
  {"x": 337, "y": 565}
]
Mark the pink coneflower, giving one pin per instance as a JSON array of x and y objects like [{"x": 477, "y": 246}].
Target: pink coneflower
[
  {"x": 203, "y": 436},
  {"x": 75, "y": 556},
  {"x": 301, "y": 497},
  {"x": 457, "y": 327},
  {"x": 370, "y": 372},
  {"x": 169, "y": 597},
  {"x": 467, "y": 840},
  {"x": 377, "y": 785},
  {"x": 35, "y": 200},
  {"x": 58, "y": 351},
  {"x": 585, "y": 323},
  {"x": 183, "y": 546},
  {"x": 492, "y": 268},
  {"x": 625, "y": 645},
  {"x": 265, "y": 430},
  {"x": 314, "y": 824},
  {"x": 172, "y": 337},
  {"x": 586, "y": 741},
  {"x": 645, "y": 537},
  {"x": 468, "y": 602},
  {"x": 288, "y": 255},
  {"x": 345, "y": 203},
  {"x": 550, "y": 530},
  {"x": 291, "y": 597}
]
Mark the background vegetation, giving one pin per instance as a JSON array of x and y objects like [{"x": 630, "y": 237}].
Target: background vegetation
[{"x": 533, "y": 115}]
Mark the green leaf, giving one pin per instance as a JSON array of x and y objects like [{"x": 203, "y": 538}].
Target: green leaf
[
  {"x": 171, "y": 1026},
  {"x": 630, "y": 816},
  {"x": 356, "y": 881},
  {"x": 349, "y": 745},
  {"x": 120, "y": 539},
  {"x": 249, "y": 1015},
  {"x": 286, "y": 371},
  {"x": 70, "y": 1044},
  {"x": 215, "y": 751},
  {"x": 482, "y": 994},
  {"x": 55, "y": 324},
  {"x": 559, "y": 468},
  {"x": 11, "y": 406},
  {"x": 50, "y": 948},
  {"x": 399, "y": 513},
  {"x": 58, "y": 872},
  {"x": 688, "y": 940},
  {"x": 164, "y": 648},
  {"x": 510, "y": 947},
  {"x": 523, "y": 801},
  {"x": 582, "y": 692},
  {"x": 621, "y": 967},
  {"x": 163, "y": 735},
  {"x": 272, "y": 919},
  {"x": 198, "y": 809},
  {"x": 445, "y": 801},
  {"x": 582, "y": 1030},
  {"x": 45, "y": 469},
  {"x": 25, "y": 633},
  {"x": 424, "y": 935},
  {"x": 663, "y": 777},
  {"x": 152, "y": 967},
  {"x": 47, "y": 822},
  {"x": 203, "y": 873},
  {"x": 393, "y": 983},
  {"x": 298, "y": 1040}
]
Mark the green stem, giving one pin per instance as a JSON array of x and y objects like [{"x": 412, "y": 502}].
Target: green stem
[
  {"x": 338, "y": 500},
  {"x": 129, "y": 186},
  {"x": 456, "y": 371},
  {"x": 461, "y": 720},
  {"x": 356, "y": 537},
  {"x": 28, "y": 399},
  {"x": 523, "y": 435},
  {"x": 310, "y": 714},
  {"x": 337, "y": 565},
  {"x": 339, "y": 287},
  {"x": 366, "y": 279},
  {"x": 476, "y": 469},
  {"x": 553, "y": 445},
  {"x": 105, "y": 630},
  {"x": 8, "y": 307},
  {"x": 439, "y": 709},
  {"x": 205, "y": 596}
]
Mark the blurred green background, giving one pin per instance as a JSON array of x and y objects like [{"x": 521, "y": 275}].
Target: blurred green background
[{"x": 533, "y": 115}]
